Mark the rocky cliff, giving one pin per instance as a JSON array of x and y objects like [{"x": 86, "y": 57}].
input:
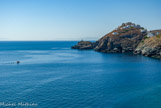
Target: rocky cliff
[
  {"x": 150, "y": 47},
  {"x": 125, "y": 38}
]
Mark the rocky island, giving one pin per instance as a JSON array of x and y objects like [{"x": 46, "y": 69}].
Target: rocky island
[
  {"x": 128, "y": 37},
  {"x": 82, "y": 45}
]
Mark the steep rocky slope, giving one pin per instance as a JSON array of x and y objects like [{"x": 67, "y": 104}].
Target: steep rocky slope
[
  {"x": 150, "y": 47},
  {"x": 123, "y": 39}
]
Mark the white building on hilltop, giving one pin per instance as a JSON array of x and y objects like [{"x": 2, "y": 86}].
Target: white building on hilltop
[
  {"x": 143, "y": 30},
  {"x": 115, "y": 33},
  {"x": 127, "y": 26},
  {"x": 132, "y": 25},
  {"x": 150, "y": 34}
]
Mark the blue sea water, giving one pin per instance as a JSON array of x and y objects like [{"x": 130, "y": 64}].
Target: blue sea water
[{"x": 52, "y": 75}]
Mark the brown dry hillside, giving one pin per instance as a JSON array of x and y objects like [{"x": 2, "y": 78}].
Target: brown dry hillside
[
  {"x": 121, "y": 39},
  {"x": 150, "y": 47}
]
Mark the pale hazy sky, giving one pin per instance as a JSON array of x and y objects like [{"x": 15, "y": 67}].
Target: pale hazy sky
[{"x": 73, "y": 19}]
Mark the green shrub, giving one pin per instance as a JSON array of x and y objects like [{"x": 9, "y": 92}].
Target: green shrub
[
  {"x": 158, "y": 36},
  {"x": 125, "y": 30},
  {"x": 131, "y": 28},
  {"x": 146, "y": 37}
]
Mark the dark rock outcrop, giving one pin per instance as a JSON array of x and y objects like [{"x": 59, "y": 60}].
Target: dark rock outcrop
[
  {"x": 82, "y": 45},
  {"x": 150, "y": 47}
]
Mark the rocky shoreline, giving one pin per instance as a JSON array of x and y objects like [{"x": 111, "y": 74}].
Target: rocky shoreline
[
  {"x": 128, "y": 37},
  {"x": 150, "y": 47}
]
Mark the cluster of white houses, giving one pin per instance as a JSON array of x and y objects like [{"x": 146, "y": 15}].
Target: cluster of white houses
[
  {"x": 142, "y": 30},
  {"x": 151, "y": 34},
  {"x": 129, "y": 25}
]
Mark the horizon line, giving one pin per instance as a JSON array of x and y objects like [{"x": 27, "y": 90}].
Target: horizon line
[{"x": 49, "y": 40}]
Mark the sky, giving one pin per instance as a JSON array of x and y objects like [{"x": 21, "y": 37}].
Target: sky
[{"x": 73, "y": 19}]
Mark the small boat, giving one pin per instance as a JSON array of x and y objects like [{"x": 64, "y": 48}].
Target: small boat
[{"x": 18, "y": 62}]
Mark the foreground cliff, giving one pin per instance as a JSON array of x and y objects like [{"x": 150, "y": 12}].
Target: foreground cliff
[
  {"x": 150, "y": 47},
  {"x": 128, "y": 37}
]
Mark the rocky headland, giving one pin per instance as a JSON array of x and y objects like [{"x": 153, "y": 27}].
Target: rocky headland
[{"x": 128, "y": 37}]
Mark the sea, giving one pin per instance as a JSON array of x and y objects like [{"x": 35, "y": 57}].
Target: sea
[{"x": 52, "y": 75}]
